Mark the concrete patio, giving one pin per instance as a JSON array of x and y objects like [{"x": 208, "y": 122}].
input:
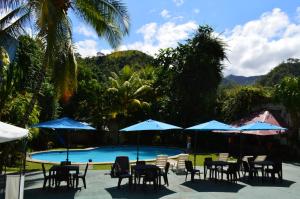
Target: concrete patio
[{"x": 101, "y": 185}]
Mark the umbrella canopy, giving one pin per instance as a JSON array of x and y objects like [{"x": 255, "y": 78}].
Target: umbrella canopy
[
  {"x": 150, "y": 125},
  {"x": 10, "y": 132},
  {"x": 261, "y": 126},
  {"x": 212, "y": 126},
  {"x": 64, "y": 123}
]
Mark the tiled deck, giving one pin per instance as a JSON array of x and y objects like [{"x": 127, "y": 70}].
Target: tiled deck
[{"x": 100, "y": 185}]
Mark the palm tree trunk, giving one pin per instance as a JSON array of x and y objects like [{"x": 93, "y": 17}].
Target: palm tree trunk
[{"x": 37, "y": 89}]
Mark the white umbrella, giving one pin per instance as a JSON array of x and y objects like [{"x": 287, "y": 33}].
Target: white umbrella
[{"x": 10, "y": 132}]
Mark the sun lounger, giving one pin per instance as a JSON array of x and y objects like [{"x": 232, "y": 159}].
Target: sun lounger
[
  {"x": 179, "y": 165},
  {"x": 260, "y": 158},
  {"x": 161, "y": 161},
  {"x": 223, "y": 157}
]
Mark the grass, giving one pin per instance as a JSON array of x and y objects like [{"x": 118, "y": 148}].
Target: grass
[{"x": 32, "y": 166}]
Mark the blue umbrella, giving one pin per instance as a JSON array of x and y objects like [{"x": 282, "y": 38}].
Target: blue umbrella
[
  {"x": 64, "y": 123},
  {"x": 212, "y": 126},
  {"x": 260, "y": 126},
  {"x": 209, "y": 126},
  {"x": 148, "y": 125}
]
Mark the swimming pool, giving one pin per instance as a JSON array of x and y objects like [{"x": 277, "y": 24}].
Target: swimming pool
[{"x": 105, "y": 154}]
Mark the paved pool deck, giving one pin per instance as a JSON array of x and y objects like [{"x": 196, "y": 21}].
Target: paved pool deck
[{"x": 101, "y": 185}]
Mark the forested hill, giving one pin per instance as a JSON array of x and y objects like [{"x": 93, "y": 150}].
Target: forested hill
[
  {"x": 102, "y": 66},
  {"x": 289, "y": 68},
  {"x": 240, "y": 80}
]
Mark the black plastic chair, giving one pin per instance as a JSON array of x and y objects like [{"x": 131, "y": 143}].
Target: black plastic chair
[
  {"x": 231, "y": 172},
  {"x": 46, "y": 177},
  {"x": 121, "y": 166},
  {"x": 190, "y": 170},
  {"x": 63, "y": 175},
  {"x": 253, "y": 171},
  {"x": 208, "y": 167},
  {"x": 164, "y": 173},
  {"x": 140, "y": 175},
  {"x": 277, "y": 169},
  {"x": 80, "y": 176},
  {"x": 151, "y": 175}
]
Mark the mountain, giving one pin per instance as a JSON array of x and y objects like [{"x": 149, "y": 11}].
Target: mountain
[
  {"x": 232, "y": 80},
  {"x": 291, "y": 67}
]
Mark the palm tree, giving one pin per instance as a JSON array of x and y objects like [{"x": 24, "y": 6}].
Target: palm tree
[
  {"x": 128, "y": 92},
  {"x": 109, "y": 18}
]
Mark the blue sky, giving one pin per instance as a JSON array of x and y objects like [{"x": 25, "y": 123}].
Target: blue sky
[{"x": 259, "y": 33}]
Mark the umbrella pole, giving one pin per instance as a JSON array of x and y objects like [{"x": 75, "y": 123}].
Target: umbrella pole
[
  {"x": 68, "y": 137},
  {"x": 195, "y": 157},
  {"x": 138, "y": 147}
]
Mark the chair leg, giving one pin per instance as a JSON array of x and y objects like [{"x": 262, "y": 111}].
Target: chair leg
[
  {"x": 44, "y": 185},
  {"x": 119, "y": 182},
  {"x": 186, "y": 175},
  {"x": 84, "y": 183}
]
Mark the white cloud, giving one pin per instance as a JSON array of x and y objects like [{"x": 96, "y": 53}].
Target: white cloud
[
  {"x": 196, "y": 10},
  {"x": 254, "y": 48},
  {"x": 165, "y": 14},
  {"x": 178, "y": 2},
  {"x": 86, "y": 31},
  {"x": 86, "y": 48},
  {"x": 156, "y": 36}
]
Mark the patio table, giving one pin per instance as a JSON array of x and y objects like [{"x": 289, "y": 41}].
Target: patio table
[
  {"x": 70, "y": 168},
  {"x": 138, "y": 170},
  {"x": 216, "y": 164}
]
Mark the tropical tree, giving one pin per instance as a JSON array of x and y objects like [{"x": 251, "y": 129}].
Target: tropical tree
[
  {"x": 109, "y": 18},
  {"x": 128, "y": 92},
  {"x": 190, "y": 75}
]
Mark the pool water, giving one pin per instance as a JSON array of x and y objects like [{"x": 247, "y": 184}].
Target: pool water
[{"x": 105, "y": 154}]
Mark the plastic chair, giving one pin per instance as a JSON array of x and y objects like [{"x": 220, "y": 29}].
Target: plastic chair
[
  {"x": 80, "y": 176},
  {"x": 190, "y": 170}
]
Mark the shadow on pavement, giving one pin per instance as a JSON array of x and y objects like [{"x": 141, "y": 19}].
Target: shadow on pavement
[
  {"x": 267, "y": 182},
  {"x": 40, "y": 193},
  {"x": 213, "y": 186},
  {"x": 138, "y": 193}
]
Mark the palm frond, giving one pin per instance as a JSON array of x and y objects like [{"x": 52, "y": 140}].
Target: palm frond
[
  {"x": 14, "y": 21},
  {"x": 108, "y": 17},
  {"x": 10, "y": 4}
]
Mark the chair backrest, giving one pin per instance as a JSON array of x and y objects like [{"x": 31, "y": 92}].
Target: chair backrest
[
  {"x": 62, "y": 173},
  {"x": 123, "y": 164},
  {"x": 151, "y": 174},
  {"x": 181, "y": 160},
  {"x": 64, "y": 163},
  {"x": 223, "y": 156},
  {"x": 44, "y": 170},
  {"x": 86, "y": 168},
  {"x": 188, "y": 165},
  {"x": 260, "y": 158},
  {"x": 140, "y": 163},
  {"x": 161, "y": 160}
]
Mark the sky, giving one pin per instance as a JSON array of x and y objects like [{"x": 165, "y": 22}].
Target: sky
[{"x": 259, "y": 34}]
